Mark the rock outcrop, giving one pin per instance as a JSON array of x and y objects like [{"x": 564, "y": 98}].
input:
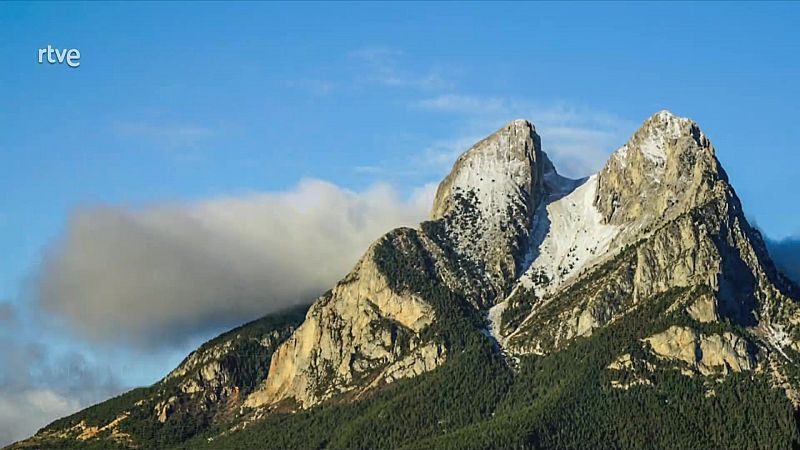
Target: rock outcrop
[
  {"x": 366, "y": 332},
  {"x": 668, "y": 219},
  {"x": 359, "y": 334},
  {"x": 487, "y": 201},
  {"x": 667, "y": 168},
  {"x": 704, "y": 309},
  {"x": 708, "y": 354}
]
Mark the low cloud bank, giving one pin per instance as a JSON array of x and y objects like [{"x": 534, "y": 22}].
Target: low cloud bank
[{"x": 156, "y": 276}]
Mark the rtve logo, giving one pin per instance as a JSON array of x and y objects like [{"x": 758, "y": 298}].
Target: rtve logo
[{"x": 71, "y": 56}]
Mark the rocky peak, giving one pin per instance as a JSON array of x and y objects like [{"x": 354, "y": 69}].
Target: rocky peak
[
  {"x": 487, "y": 201},
  {"x": 497, "y": 169},
  {"x": 666, "y": 168},
  {"x": 665, "y": 195}
]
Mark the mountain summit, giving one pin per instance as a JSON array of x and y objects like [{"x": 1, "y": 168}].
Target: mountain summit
[
  {"x": 487, "y": 200},
  {"x": 634, "y": 308}
]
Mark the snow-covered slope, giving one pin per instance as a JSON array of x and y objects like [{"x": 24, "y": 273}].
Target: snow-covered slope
[
  {"x": 568, "y": 235},
  {"x": 486, "y": 203}
]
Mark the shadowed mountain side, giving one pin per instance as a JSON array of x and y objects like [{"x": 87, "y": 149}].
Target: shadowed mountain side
[{"x": 786, "y": 254}]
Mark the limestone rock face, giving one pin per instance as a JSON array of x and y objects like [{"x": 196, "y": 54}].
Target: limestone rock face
[
  {"x": 577, "y": 309},
  {"x": 666, "y": 168},
  {"x": 627, "y": 362},
  {"x": 726, "y": 351},
  {"x": 708, "y": 354},
  {"x": 503, "y": 164},
  {"x": 206, "y": 379},
  {"x": 704, "y": 309},
  {"x": 366, "y": 331},
  {"x": 679, "y": 343},
  {"x": 360, "y": 333},
  {"x": 487, "y": 201}
]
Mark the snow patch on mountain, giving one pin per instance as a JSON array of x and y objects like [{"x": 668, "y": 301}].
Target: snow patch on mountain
[
  {"x": 779, "y": 339},
  {"x": 653, "y": 150},
  {"x": 494, "y": 177},
  {"x": 494, "y": 316},
  {"x": 568, "y": 236},
  {"x": 652, "y": 139}
]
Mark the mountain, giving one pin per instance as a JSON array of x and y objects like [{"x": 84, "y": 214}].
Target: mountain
[{"x": 635, "y": 308}]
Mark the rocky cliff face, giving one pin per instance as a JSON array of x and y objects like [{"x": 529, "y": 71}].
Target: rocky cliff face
[
  {"x": 360, "y": 334},
  {"x": 707, "y": 354},
  {"x": 665, "y": 217},
  {"x": 665, "y": 169},
  {"x": 487, "y": 202},
  {"x": 365, "y": 332}
]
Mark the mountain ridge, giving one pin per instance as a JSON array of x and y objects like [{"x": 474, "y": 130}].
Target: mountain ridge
[{"x": 520, "y": 266}]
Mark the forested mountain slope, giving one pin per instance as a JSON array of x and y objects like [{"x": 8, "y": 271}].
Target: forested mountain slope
[{"x": 635, "y": 308}]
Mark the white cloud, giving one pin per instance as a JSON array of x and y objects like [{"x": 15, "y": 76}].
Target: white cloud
[
  {"x": 39, "y": 382},
  {"x": 155, "y": 276},
  {"x": 383, "y": 66},
  {"x": 23, "y": 412}
]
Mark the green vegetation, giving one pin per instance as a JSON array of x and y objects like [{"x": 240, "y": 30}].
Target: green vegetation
[
  {"x": 610, "y": 285},
  {"x": 246, "y": 362},
  {"x": 562, "y": 400}
]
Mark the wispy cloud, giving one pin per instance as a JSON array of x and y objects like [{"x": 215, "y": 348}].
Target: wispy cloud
[
  {"x": 465, "y": 104},
  {"x": 384, "y": 66},
  {"x": 182, "y": 142},
  {"x": 577, "y": 139},
  {"x": 171, "y": 133},
  {"x": 370, "y": 170},
  {"x": 441, "y": 154},
  {"x": 6, "y": 311}
]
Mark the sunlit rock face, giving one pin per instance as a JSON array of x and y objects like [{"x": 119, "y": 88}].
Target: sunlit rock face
[{"x": 550, "y": 258}]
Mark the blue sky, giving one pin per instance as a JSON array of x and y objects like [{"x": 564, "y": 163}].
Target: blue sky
[{"x": 176, "y": 104}]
